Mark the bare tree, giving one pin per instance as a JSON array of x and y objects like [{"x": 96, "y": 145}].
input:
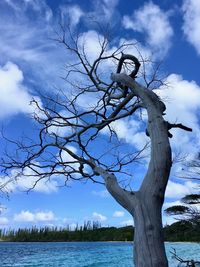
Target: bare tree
[{"x": 72, "y": 154}]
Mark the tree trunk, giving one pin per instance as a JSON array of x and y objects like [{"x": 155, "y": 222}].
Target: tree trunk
[
  {"x": 149, "y": 250},
  {"x": 145, "y": 205}
]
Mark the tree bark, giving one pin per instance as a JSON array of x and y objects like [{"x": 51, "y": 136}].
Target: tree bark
[
  {"x": 145, "y": 205},
  {"x": 149, "y": 250}
]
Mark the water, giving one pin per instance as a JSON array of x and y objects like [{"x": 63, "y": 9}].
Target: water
[{"x": 82, "y": 254}]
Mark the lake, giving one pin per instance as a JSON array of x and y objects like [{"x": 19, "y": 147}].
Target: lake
[{"x": 82, "y": 254}]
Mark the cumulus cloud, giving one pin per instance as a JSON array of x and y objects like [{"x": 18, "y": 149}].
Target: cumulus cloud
[
  {"x": 44, "y": 216},
  {"x": 182, "y": 101},
  {"x": 24, "y": 216},
  {"x": 40, "y": 216},
  {"x": 191, "y": 16},
  {"x": 14, "y": 95},
  {"x": 91, "y": 41},
  {"x": 99, "y": 217},
  {"x": 118, "y": 214},
  {"x": 179, "y": 190},
  {"x": 59, "y": 125},
  {"x": 129, "y": 130},
  {"x": 27, "y": 181},
  {"x": 154, "y": 23},
  {"x": 66, "y": 157}
]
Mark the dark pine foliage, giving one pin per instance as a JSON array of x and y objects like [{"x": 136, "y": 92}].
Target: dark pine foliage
[{"x": 179, "y": 231}]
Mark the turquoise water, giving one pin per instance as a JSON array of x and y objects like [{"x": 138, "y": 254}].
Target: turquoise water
[{"x": 82, "y": 254}]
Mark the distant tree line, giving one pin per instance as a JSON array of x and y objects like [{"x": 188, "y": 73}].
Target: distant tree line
[
  {"x": 92, "y": 231},
  {"x": 182, "y": 231}
]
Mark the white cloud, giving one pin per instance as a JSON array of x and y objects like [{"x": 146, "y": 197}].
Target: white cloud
[
  {"x": 24, "y": 216},
  {"x": 102, "y": 193},
  {"x": 129, "y": 131},
  {"x": 24, "y": 47},
  {"x": 105, "y": 11},
  {"x": 23, "y": 183},
  {"x": 29, "y": 180},
  {"x": 99, "y": 217},
  {"x": 40, "y": 216},
  {"x": 102, "y": 11},
  {"x": 178, "y": 190},
  {"x": 40, "y": 8},
  {"x": 66, "y": 157},
  {"x": 109, "y": 7},
  {"x": 182, "y": 101},
  {"x": 137, "y": 49},
  {"x": 4, "y": 221},
  {"x": 168, "y": 220},
  {"x": 43, "y": 186},
  {"x": 154, "y": 23},
  {"x": 126, "y": 128},
  {"x": 14, "y": 95},
  {"x": 59, "y": 126},
  {"x": 91, "y": 41},
  {"x": 127, "y": 223},
  {"x": 118, "y": 214},
  {"x": 191, "y": 16},
  {"x": 73, "y": 13},
  {"x": 33, "y": 49},
  {"x": 44, "y": 216}
]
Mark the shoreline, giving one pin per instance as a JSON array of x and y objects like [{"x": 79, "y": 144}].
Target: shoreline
[{"x": 126, "y": 242}]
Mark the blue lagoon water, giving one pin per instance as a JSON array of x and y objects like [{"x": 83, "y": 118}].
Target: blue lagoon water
[{"x": 82, "y": 254}]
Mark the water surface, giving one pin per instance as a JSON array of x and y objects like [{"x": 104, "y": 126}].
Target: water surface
[{"x": 82, "y": 254}]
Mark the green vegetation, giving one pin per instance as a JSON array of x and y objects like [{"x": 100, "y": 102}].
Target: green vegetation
[
  {"x": 179, "y": 231},
  {"x": 187, "y": 227},
  {"x": 182, "y": 231},
  {"x": 88, "y": 232}
]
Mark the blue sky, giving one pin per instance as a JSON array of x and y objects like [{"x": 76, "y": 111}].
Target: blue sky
[{"x": 30, "y": 61}]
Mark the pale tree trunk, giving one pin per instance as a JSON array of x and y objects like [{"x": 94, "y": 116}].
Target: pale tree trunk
[
  {"x": 145, "y": 205},
  {"x": 149, "y": 248}
]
